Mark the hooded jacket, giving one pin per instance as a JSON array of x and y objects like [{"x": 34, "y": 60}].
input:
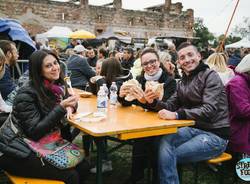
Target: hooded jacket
[{"x": 238, "y": 91}]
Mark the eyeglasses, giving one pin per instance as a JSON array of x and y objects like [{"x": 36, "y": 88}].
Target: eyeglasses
[{"x": 151, "y": 62}]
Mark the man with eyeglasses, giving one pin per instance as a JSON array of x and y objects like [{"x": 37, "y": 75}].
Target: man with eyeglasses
[
  {"x": 200, "y": 96},
  {"x": 6, "y": 83},
  {"x": 144, "y": 150}
]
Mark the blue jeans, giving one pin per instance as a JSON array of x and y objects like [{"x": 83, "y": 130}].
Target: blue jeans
[{"x": 187, "y": 145}]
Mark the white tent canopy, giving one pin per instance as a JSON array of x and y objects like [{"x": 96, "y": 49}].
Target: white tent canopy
[
  {"x": 56, "y": 32},
  {"x": 245, "y": 43}
]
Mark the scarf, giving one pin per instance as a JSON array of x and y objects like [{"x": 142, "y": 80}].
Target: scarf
[
  {"x": 56, "y": 89},
  {"x": 154, "y": 77}
]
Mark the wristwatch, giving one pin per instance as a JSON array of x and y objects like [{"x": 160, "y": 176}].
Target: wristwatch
[{"x": 176, "y": 115}]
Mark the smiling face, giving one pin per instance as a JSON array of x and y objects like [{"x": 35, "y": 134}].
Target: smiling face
[
  {"x": 189, "y": 59},
  {"x": 50, "y": 68},
  {"x": 150, "y": 63}
]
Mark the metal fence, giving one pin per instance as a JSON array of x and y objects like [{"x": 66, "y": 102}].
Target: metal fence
[{"x": 20, "y": 67}]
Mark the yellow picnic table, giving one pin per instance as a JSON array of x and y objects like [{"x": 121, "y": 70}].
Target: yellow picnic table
[{"x": 122, "y": 122}]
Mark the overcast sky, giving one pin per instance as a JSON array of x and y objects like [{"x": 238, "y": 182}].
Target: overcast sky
[{"x": 216, "y": 13}]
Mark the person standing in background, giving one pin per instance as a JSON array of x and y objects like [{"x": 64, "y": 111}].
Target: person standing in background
[
  {"x": 79, "y": 68},
  {"x": 238, "y": 91}
]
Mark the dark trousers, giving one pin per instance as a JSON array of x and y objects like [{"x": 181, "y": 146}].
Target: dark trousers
[
  {"x": 32, "y": 167},
  {"x": 145, "y": 155}
]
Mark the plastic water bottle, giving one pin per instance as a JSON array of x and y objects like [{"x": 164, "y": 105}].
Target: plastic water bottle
[
  {"x": 102, "y": 101},
  {"x": 113, "y": 93},
  {"x": 106, "y": 89}
]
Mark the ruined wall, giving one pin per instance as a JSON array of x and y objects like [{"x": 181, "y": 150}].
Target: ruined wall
[{"x": 40, "y": 15}]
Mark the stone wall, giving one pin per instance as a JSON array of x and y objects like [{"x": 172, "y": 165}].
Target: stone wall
[{"x": 40, "y": 15}]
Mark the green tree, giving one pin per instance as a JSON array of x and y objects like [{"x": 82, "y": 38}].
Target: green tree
[
  {"x": 243, "y": 29},
  {"x": 229, "y": 39},
  {"x": 202, "y": 32}
]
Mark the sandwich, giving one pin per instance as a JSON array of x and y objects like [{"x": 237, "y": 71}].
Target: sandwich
[
  {"x": 156, "y": 87},
  {"x": 131, "y": 84}
]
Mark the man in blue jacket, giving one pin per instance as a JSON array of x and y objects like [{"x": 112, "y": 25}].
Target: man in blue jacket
[{"x": 80, "y": 69}]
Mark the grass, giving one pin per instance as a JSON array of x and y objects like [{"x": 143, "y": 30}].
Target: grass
[{"x": 121, "y": 161}]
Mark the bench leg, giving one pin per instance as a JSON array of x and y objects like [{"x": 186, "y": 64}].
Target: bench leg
[
  {"x": 180, "y": 171},
  {"x": 196, "y": 167}
]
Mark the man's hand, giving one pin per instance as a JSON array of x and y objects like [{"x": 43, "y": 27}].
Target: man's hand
[
  {"x": 170, "y": 67},
  {"x": 165, "y": 114}
]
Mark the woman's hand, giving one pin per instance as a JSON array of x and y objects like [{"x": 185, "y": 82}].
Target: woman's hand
[
  {"x": 70, "y": 111},
  {"x": 138, "y": 93},
  {"x": 95, "y": 78},
  {"x": 71, "y": 101},
  {"x": 165, "y": 114},
  {"x": 124, "y": 90},
  {"x": 150, "y": 96}
]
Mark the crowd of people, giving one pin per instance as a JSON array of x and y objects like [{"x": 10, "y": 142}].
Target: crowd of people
[{"x": 213, "y": 91}]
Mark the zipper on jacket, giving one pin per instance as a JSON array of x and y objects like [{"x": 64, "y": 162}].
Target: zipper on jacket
[{"x": 41, "y": 158}]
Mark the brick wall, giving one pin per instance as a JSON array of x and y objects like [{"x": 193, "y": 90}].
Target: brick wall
[{"x": 39, "y": 15}]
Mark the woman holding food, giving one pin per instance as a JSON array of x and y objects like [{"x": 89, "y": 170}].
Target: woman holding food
[
  {"x": 40, "y": 108},
  {"x": 154, "y": 81},
  {"x": 152, "y": 78}
]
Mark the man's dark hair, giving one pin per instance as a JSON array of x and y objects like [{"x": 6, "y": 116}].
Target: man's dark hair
[
  {"x": 237, "y": 52},
  {"x": 129, "y": 50},
  {"x": 90, "y": 48},
  {"x": 186, "y": 44},
  {"x": 103, "y": 52}
]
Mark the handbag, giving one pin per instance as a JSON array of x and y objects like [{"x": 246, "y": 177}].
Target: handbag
[{"x": 57, "y": 151}]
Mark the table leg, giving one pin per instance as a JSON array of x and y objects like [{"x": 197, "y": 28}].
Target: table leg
[{"x": 99, "y": 146}]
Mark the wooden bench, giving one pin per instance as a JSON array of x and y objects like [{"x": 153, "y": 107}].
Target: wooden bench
[
  {"x": 22, "y": 180},
  {"x": 222, "y": 158},
  {"x": 217, "y": 161},
  {"x": 214, "y": 161}
]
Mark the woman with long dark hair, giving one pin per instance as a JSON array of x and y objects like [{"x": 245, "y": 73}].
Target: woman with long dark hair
[{"x": 40, "y": 107}]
